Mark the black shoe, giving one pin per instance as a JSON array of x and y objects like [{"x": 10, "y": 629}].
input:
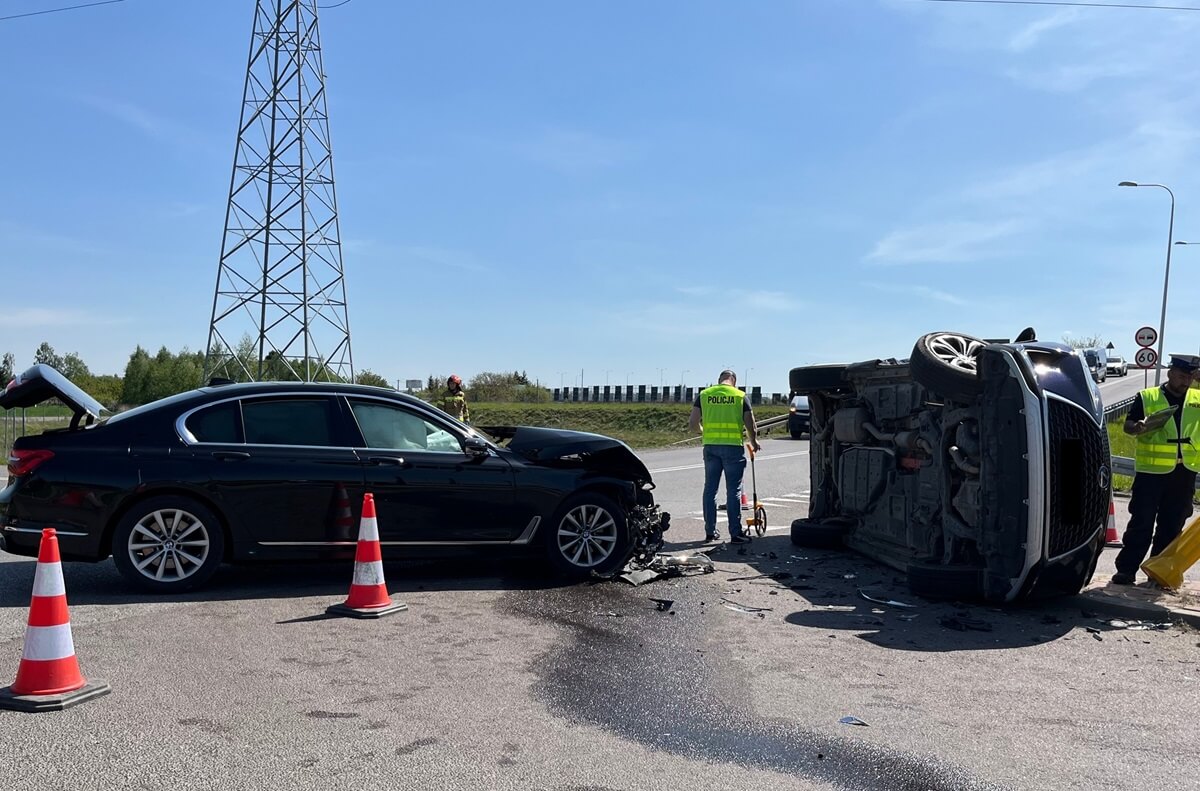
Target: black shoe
[
  {"x": 713, "y": 536},
  {"x": 739, "y": 539},
  {"x": 1124, "y": 579}
]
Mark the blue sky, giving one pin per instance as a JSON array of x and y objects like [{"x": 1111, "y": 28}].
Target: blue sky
[{"x": 644, "y": 191}]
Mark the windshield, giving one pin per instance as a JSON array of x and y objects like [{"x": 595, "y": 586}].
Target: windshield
[{"x": 1091, "y": 357}]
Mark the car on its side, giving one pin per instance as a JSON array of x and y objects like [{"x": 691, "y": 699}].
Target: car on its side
[
  {"x": 1117, "y": 366},
  {"x": 798, "y": 417},
  {"x": 978, "y": 469},
  {"x": 272, "y": 471}
]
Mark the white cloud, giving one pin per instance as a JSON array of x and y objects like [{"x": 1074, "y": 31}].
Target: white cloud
[
  {"x": 1031, "y": 34},
  {"x": 945, "y": 242},
  {"x": 921, "y": 292}
]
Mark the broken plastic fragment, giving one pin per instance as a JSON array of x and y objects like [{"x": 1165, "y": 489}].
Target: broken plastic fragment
[
  {"x": 663, "y": 604},
  {"x": 732, "y": 605},
  {"x": 853, "y": 721},
  {"x": 889, "y": 602}
]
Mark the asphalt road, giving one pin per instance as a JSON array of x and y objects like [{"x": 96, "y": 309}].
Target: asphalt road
[{"x": 499, "y": 678}]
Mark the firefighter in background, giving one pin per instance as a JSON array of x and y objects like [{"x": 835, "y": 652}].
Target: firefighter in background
[
  {"x": 1166, "y": 461},
  {"x": 454, "y": 399}
]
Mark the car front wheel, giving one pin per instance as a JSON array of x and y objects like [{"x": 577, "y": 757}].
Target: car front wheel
[
  {"x": 588, "y": 534},
  {"x": 168, "y": 544}
]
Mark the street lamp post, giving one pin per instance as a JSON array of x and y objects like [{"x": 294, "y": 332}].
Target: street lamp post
[{"x": 1162, "y": 320}]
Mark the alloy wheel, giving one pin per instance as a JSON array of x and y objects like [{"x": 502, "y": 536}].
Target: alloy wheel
[
  {"x": 956, "y": 351},
  {"x": 169, "y": 545},
  {"x": 587, "y": 535}
]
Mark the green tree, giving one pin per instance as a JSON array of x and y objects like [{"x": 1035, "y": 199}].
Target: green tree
[
  {"x": 369, "y": 377},
  {"x": 1083, "y": 341},
  {"x": 137, "y": 378},
  {"x": 108, "y": 389},
  {"x": 45, "y": 355},
  {"x": 508, "y": 387},
  {"x": 8, "y": 368},
  {"x": 73, "y": 367}
]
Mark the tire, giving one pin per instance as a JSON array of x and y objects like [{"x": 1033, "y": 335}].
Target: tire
[
  {"x": 945, "y": 582},
  {"x": 796, "y": 434},
  {"x": 946, "y": 363},
  {"x": 810, "y": 378},
  {"x": 817, "y": 535},
  {"x": 150, "y": 549},
  {"x": 603, "y": 520}
]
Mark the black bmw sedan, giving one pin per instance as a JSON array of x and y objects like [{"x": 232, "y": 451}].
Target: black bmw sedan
[{"x": 277, "y": 470}]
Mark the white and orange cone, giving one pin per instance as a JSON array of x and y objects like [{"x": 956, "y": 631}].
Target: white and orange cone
[
  {"x": 1111, "y": 539},
  {"x": 368, "y": 592},
  {"x": 48, "y": 678}
]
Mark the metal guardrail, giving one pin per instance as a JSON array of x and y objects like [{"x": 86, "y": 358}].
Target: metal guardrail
[{"x": 1120, "y": 409}]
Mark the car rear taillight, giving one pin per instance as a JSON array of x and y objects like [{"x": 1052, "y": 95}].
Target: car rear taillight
[{"x": 23, "y": 462}]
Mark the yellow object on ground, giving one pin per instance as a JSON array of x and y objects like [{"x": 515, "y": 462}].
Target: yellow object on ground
[{"x": 1168, "y": 567}]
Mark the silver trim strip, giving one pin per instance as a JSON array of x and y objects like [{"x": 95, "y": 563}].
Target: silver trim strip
[{"x": 38, "y": 531}]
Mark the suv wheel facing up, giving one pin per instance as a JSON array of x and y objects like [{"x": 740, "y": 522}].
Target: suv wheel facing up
[{"x": 948, "y": 363}]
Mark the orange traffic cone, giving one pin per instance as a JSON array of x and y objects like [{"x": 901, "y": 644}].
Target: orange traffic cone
[
  {"x": 48, "y": 678},
  {"x": 368, "y": 592},
  {"x": 1111, "y": 539}
]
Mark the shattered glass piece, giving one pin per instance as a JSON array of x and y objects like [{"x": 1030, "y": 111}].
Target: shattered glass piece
[
  {"x": 853, "y": 721},
  {"x": 889, "y": 602},
  {"x": 908, "y": 617},
  {"x": 663, "y": 605},
  {"x": 637, "y": 577},
  {"x": 732, "y": 605}
]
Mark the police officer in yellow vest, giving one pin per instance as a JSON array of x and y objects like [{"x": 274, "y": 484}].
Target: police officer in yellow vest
[
  {"x": 1166, "y": 461},
  {"x": 721, "y": 412}
]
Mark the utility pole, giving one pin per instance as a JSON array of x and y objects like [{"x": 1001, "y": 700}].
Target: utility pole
[{"x": 280, "y": 278}]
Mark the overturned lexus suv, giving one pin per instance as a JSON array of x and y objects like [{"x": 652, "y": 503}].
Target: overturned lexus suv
[
  {"x": 277, "y": 470},
  {"x": 979, "y": 469}
]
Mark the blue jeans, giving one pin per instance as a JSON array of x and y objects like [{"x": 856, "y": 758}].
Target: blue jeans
[{"x": 731, "y": 460}]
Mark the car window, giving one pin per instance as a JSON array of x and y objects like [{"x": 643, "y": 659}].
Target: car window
[
  {"x": 395, "y": 428},
  {"x": 288, "y": 422},
  {"x": 220, "y": 423}
]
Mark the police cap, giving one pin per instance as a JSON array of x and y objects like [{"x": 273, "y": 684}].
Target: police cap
[{"x": 1188, "y": 363}]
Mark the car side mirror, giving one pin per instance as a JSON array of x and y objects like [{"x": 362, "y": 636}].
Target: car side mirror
[{"x": 475, "y": 447}]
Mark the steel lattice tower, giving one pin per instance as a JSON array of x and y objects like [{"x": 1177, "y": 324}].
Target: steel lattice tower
[{"x": 280, "y": 281}]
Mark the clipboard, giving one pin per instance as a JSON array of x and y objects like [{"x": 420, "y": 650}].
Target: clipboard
[{"x": 1159, "y": 419}]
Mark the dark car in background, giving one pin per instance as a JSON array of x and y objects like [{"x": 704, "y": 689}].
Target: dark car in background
[
  {"x": 1097, "y": 363},
  {"x": 978, "y": 469},
  {"x": 798, "y": 416},
  {"x": 277, "y": 471}
]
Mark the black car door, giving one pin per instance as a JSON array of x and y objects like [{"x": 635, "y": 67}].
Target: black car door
[
  {"x": 281, "y": 470},
  {"x": 427, "y": 489}
]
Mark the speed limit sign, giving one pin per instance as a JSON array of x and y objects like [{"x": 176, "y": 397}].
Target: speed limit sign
[
  {"x": 1145, "y": 358},
  {"x": 1146, "y": 336}
]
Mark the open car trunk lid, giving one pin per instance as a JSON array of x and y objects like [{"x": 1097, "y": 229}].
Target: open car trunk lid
[{"x": 41, "y": 383}]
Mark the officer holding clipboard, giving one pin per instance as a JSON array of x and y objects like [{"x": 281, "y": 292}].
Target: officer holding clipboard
[{"x": 1166, "y": 422}]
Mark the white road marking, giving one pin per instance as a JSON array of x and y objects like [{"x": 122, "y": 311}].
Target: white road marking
[{"x": 701, "y": 465}]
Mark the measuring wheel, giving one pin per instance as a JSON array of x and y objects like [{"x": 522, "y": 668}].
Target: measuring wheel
[{"x": 760, "y": 520}]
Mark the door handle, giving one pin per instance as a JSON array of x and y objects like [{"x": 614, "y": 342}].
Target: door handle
[
  {"x": 394, "y": 461},
  {"x": 231, "y": 455}
]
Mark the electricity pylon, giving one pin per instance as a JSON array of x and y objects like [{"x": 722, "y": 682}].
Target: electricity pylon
[{"x": 279, "y": 311}]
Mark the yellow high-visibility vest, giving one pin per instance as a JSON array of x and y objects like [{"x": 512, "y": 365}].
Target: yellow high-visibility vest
[
  {"x": 721, "y": 415},
  {"x": 1157, "y": 452}
]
